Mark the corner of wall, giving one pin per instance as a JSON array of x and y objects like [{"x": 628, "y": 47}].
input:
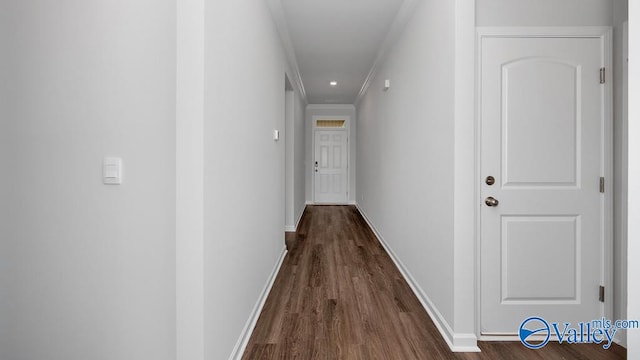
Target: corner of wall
[
  {"x": 633, "y": 231},
  {"x": 465, "y": 211}
]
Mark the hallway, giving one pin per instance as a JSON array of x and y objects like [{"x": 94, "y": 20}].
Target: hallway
[
  {"x": 338, "y": 295},
  {"x": 154, "y": 152}
]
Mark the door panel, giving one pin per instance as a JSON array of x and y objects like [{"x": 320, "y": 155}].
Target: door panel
[
  {"x": 541, "y": 139},
  {"x": 330, "y": 167},
  {"x": 526, "y": 235},
  {"x": 537, "y": 114}
]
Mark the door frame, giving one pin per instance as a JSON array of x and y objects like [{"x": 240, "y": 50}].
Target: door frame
[
  {"x": 605, "y": 34},
  {"x": 314, "y": 128}
]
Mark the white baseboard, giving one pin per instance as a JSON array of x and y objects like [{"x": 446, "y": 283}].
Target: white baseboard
[
  {"x": 294, "y": 228},
  {"x": 464, "y": 342},
  {"x": 507, "y": 338},
  {"x": 299, "y": 217},
  {"x": 245, "y": 335},
  {"x": 621, "y": 338},
  {"x": 456, "y": 342},
  {"x": 349, "y": 202}
]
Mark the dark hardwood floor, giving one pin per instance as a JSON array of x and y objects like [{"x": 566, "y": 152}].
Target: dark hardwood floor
[{"x": 338, "y": 295}]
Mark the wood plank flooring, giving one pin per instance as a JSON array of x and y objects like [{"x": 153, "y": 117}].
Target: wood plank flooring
[{"x": 338, "y": 295}]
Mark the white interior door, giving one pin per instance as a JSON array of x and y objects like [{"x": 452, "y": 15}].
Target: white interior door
[
  {"x": 542, "y": 119},
  {"x": 330, "y": 166}
]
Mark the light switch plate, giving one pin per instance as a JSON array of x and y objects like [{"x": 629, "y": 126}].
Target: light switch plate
[{"x": 112, "y": 171}]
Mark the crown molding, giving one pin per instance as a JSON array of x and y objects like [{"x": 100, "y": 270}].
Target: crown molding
[
  {"x": 280, "y": 20},
  {"x": 399, "y": 23},
  {"x": 331, "y": 106}
]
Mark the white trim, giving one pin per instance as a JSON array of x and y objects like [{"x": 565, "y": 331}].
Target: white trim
[
  {"x": 280, "y": 21},
  {"x": 621, "y": 336},
  {"x": 294, "y": 228},
  {"x": 347, "y": 128},
  {"x": 399, "y": 23},
  {"x": 620, "y": 340},
  {"x": 300, "y": 214},
  {"x": 633, "y": 191},
  {"x": 245, "y": 335},
  {"x": 552, "y": 337},
  {"x": 607, "y": 172},
  {"x": 546, "y": 31},
  {"x": 332, "y": 204},
  {"x": 456, "y": 342},
  {"x": 606, "y": 168},
  {"x": 499, "y": 338},
  {"x": 476, "y": 180},
  {"x": 464, "y": 196},
  {"x": 330, "y": 107}
]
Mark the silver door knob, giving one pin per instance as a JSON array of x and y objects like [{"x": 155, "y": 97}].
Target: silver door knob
[{"x": 491, "y": 201}]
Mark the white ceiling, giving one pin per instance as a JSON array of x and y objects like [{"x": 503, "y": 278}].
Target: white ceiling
[{"x": 337, "y": 40}]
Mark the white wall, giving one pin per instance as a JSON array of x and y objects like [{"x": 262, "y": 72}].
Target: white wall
[
  {"x": 88, "y": 270},
  {"x": 288, "y": 136},
  {"x": 190, "y": 61},
  {"x": 633, "y": 340},
  {"x": 299, "y": 156},
  {"x": 544, "y": 12},
  {"x": 295, "y": 171},
  {"x": 244, "y": 168},
  {"x": 405, "y": 151},
  {"x": 330, "y": 110},
  {"x": 465, "y": 199},
  {"x": 620, "y": 165}
]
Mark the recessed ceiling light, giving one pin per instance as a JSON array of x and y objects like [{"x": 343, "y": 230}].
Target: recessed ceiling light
[{"x": 333, "y": 83}]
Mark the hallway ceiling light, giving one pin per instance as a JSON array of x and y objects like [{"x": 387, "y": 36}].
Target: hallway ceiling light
[
  {"x": 347, "y": 49},
  {"x": 333, "y": 83}
]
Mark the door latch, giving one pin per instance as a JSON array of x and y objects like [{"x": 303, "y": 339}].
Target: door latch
[
  {"x": 490, "y": 180},
  {"x": 491, "y": 201}
]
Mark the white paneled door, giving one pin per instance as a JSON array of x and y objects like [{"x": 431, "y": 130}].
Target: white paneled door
[
  {"x": 542, "y": 236},
  {"x": 330, "y": 166}
]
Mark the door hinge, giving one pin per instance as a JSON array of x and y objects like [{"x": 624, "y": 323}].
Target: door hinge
[
  {"x": 601, "y": 294},
  {"x": 602, "y": 75},
  {"x": 602, "y": 184}
]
